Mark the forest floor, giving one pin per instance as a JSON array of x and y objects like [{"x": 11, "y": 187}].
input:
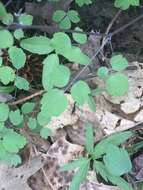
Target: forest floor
[{"x": 112, "y": 114}]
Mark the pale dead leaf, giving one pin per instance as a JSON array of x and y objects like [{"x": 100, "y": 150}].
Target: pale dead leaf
[{"x": 60, "y": 152}]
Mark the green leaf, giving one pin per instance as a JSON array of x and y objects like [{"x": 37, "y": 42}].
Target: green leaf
[
  {"x": 75, "y": 54},
  {"x": 78, "y": 37},
  {"x": 8, "y": 19},
  {"x": 12, "y": 141},
  {"x": 118, "y": 63},
  {"x": 25, "y": 19},
  {"x": 126, "y": 4},
  {"x": 28, "y": 107},
  {"x": 62, "y": 45},
  {"x": 37, "y": 44},
  {"x": 18, "y": 34},
  {"x": 32, "y": 123},
  {"x": 4, "y": 111},
  {"x": 74, "y": 164},
  {"x": 6, "y": 39},
  {"x": 79, "y": 176},
  {"x": 11, "y": 159},
  {"x": 65, "y": 23},
  {"x": 14, "y": 160},
  {"x": 1, "y": 126},
  {"x": 89, "y": 138},
  {"x": 15, "y": 117},
  {"x": 7, "y": 74},
  {"x": 80, "y": 91},
  {"x": 120, "y": 182},
  {"x": 53, "y": 73},
  {"x": 45, "y": 132},
  {"x": 61, "y": 76},
  {"x": 102, "y": 72},
  {"x": 61, "y": 42},
  {"x": 43, "y": 118},
  {"x": 1, "y": 60},
  {"x": 117, "y": 84},
  {"x": 91, "y": 103},
  {"x": 3, "y": 152},
  {"x": 50, "y": 64},
  {"x": 54, "y": 102},
  {"x": 3, "y": 11},
  {"x": 100, "y": 168},
  {"x": 83, "y": 2},
  {"x": 21, "y": 83},
  {"x": 59, "y": 15},
  {"x": 73, "y": 16},
  {"x": 115, "y": 139},
  {"x": 117, "y": 160},
  {"x": 17, "y": 57}
]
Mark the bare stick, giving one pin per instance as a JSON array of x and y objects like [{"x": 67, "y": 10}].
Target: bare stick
[
  {"x": 26, "y": 98},
  {"x": 112, "y": 22}
]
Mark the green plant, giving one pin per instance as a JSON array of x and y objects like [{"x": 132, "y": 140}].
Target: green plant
[
  {"x": 109, "y": 160},
  {"x": 126, "y": 4},
  {"x": 55, "y": 77},
  {"x": 66, "y": 18}
]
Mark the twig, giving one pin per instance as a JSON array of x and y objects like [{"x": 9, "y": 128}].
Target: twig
[
  {"x": 85, "y": 67},
  {"x": 126, "y": 25},
  {"x": 26, "y": 98},
  {"x": 10, "y": 1},
  {"x": 112, "y": 21},
  {"x": 48, "y": 29}
]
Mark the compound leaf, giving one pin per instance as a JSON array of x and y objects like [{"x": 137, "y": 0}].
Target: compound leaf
[
  {"x": 115, "y": 139},
  {"x": 59, "y": 15},
  {"x": 73, "y": 16},
  {"x": 65, "y": 23}
]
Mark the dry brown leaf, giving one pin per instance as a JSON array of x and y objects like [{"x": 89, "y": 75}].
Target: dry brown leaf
[{"x": 60, "y": 152}]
